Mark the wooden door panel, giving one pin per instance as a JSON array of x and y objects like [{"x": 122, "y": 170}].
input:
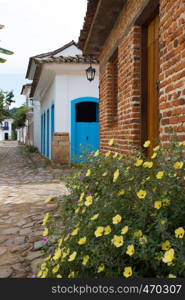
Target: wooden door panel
[{"x": 153, "y": 77}]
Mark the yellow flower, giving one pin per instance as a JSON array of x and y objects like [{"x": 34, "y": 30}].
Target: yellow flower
[
  {"x": 141, "y": 194},
  {"x": 88, "y": 172},
  {"x": 72, "y": 256},
  {"x": 179, "y": 232},
  {"x": 117, "y": 219},
  {"x": 60, "y": 241},
  {"x": 99, "y": 231},
  {"x": 75, "y": 232},
  {"x": 154, "y": 155},
  {"x": 146, "y": 144},
  {"x": 45, "y": 232},
  {"x": 156, "y": 148},
  {"x": 47, "y": 258},
  {"x": 160, "y": 175},
  {"x": 117, "y": 241},
  {"x": 172, "y": 276},
  {"x": 83, "y": 210},
  {"x": 178, "y": 165},
  {"x": 182, "y": 143},
  {"x": 96, "y": 153},
  {"x": 107, "y": 154},
  {"x": 127, "y": 272},
  {"x": 130, "y": 250},
  {"x": 121, "y": 193},
  {"x": 50, "y": 198},
  {"x": 157, "y": 204},
  {"x": 89, "y": 200},
  {"x": 138, "y": 234},
  {"x": 77, "y": 210},
  {"x": 115, "y": 155},
  {"x": 56, "y": 268},
  {"x": 43, "y": 266},
  {"x": 107, "y": 230},
  {"x": 85, "y": 260},
  {"x": 116, "y": 175},
  {"x": 166, "y": 245},
  {"x": 58, "y": 253},
  {"x": 143, "y": 240},
  {"x": 120, "y": 156},
  {"x": 162, "y": 222},
  {"x": 168, "y": 256},
  {"x": 104, "y": 174},
  {"x": 39, "y": 274},
  {"x": 111, "y": 142},
  {"x": 82, "y": 196},
  {"x": 45, "y": 273},
  {"x": 138, "y": 163},
  {"x": 59, "y": 276},
  {"x": 166, "y": 202},
  {"x": 124, "y": 230},
  {"x": 82, "y": 241},
  {"x": 71, "y": 275},
  {"x": 66, "y": 237},
  {"x": 45, "y": 220},
  {"x": 95, "y": 217},
  {"x": 101, "y": 268},
  {"x": 148, "y": 164}
]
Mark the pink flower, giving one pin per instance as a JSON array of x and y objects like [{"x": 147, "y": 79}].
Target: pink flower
[
  {"x": 62, "y": 228},
  {"x": 34, "y": 276},
  {"x": 45, "y": 240}
]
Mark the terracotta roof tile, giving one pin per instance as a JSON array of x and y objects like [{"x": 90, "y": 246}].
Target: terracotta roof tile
[{"x": 66, "y": 59}]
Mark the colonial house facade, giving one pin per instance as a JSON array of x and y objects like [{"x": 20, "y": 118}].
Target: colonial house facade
[
  {"x": 30, "y": 133},
  {"x": 69, "y": 103},
  {"x": 141, "y": 48},
  {"x": 6, "y": 130}
]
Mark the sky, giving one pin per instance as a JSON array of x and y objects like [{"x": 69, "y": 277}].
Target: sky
[{"x": 33, "y": 27}]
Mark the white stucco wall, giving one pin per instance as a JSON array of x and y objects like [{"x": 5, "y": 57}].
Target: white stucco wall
[
  {"x": 68, "y": 88},
  {"x": 9, "y": 131},
  {"x": 69, "y": 83},
  {"x": 36, "y": 124},
  {"x": 45, "y": 103}
]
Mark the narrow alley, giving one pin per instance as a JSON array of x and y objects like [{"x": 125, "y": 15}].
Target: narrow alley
[{"x": 24, "y": 185}]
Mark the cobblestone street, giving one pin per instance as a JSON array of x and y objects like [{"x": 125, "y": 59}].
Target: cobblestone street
[{"x": 23, "y": 188}]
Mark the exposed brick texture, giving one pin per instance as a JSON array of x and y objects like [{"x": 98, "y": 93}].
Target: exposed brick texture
[{"x": 127, "y": 37}]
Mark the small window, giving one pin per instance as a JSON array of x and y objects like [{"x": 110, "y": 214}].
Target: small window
[
  {"x": 87, "y": 112},
  {"x": 114, "y": 75}
]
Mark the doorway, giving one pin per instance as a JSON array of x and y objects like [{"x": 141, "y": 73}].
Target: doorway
[
  {"x": 85, "y": 131},
  {"x": 150, "y": 105}
]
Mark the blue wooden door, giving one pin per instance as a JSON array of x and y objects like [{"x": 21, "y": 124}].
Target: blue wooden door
[
  {"x": 85, "y": 128},
  {"x": 42, "y": 139},
  {"x": 44, "y": 134},
  {"x": 52, "y": 125},
  {"x": 47, "y": 134}
]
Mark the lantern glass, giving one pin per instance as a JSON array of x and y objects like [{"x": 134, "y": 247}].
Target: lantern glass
[{"x": 90, "y": 73}]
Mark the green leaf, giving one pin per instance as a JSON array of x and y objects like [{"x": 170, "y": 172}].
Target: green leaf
[
  {"x": 2, "y": 60},
  {"x": 5, "y": 51}
]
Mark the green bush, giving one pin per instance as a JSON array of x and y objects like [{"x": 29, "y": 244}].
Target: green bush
[{"x": 123, "y": 217}]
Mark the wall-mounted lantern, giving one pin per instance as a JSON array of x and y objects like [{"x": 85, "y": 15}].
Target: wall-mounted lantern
[{"x": 90, "y": 73}]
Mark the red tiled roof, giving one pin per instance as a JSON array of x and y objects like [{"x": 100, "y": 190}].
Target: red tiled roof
[
  {"x": 66, "y": 59},
  {"x": 91, "y": 9}
]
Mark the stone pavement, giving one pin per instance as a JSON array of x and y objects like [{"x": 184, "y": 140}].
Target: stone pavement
[{"x": 24, "y": 186}]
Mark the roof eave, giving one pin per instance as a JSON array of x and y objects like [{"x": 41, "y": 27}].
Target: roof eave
[{"x": 104, "y": 19}]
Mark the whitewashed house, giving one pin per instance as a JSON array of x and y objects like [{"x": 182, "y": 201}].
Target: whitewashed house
[
  {"x": 69, "y": 103},
  {"x": 6, "y": 130},
  {"x": 30, "y": 134}
]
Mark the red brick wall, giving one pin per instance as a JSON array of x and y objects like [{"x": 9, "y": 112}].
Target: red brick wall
[
  {"x": 127, "y": 37},
  {"x": 172, "y": 67}
]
